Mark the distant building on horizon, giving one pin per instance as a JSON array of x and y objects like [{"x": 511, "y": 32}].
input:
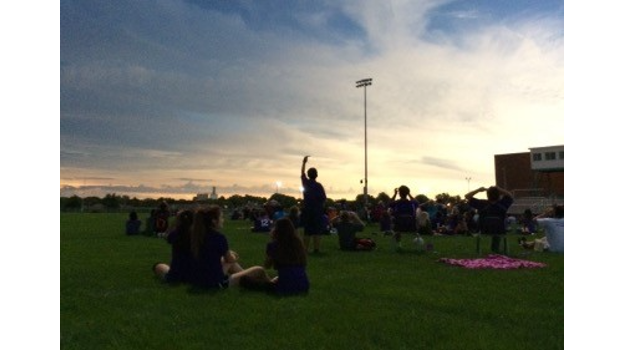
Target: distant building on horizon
[
  {"x": 203, "y": 197},
  {"x": 536, "y": 178}
]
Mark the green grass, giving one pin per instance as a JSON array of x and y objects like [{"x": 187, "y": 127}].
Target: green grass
[{"x": 368, "y": 300}]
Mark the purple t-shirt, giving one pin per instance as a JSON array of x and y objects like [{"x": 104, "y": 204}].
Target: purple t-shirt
[
  {"x": 314, "y": 194},
  {"x": 182, "y": 261},
  {"x": 208, "y": 271},
  {"x": 405, "y": 215},
  {"x": 292, "y": 279}
]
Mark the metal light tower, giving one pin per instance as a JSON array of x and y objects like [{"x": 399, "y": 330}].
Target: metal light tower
[
  {"x": 468, "y": 183},
  {"x": 364, "y": 83}
]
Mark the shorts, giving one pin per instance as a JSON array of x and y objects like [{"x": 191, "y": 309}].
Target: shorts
[{"x": 313, "y": 224}]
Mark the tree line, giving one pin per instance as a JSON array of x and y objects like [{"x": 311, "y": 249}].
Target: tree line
[{"x": 113, "y": 202}]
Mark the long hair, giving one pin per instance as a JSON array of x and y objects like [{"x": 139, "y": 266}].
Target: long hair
[
  {"x": 290, "y": 248},
  {"x": 184, "y": 222},
  {"x": 294, "y": 215},
  {"x": 203, "y": 224}
]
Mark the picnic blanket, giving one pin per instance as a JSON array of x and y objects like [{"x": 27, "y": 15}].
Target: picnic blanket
[{"x": 493, "y": 261}]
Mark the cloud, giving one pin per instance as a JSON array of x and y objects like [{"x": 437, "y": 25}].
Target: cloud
[{"x": 239, "y": 92}]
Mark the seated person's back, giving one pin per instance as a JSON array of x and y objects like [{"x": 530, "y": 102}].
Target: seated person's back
[
  {"x": 133, "y": 224},
  {"x": 346, "y": 225},
  {"x": 554, "y": 228}
]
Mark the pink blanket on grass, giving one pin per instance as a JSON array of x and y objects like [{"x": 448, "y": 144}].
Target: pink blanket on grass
[{"x": 493, "y": 261}]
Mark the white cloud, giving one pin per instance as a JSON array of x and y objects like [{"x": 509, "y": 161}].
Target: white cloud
[{"x": 243, "y": 106}]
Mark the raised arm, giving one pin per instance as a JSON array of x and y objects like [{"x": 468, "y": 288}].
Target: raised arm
[
  {"x": 304, "y": 165},
  {"x": 395, "y": 194},
  {"x": 474, "y": 192},
  {"x": 504, "y": 192}
]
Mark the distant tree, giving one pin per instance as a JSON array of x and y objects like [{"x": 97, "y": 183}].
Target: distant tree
[
  {"x": 167, "y": 200},
  {"x": 284, "y": 200},
  {"x": 255, "y": 200},
  {"x": 149, "y": 203},
  {"x": 136, "y": 203},
  {"x": 236, "y": 201},
  {"x": 73, "y": 203},
  {"x": 361, "y": 199},
  {"x": 91, "y": 201},
  {"x": 223, "y": 202},
  {"x": 111, "y": 201},
  {"x": 124, "y": 200}
]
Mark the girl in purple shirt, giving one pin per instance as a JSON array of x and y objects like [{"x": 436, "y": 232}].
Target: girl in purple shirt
[
  {"x": 286, "y": 254},
  {"x": 209, "y": 262}
]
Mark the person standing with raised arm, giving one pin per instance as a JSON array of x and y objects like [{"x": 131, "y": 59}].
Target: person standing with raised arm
[{"x": 312, "y": 212}]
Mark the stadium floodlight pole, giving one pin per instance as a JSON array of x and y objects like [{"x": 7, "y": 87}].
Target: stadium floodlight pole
[
  {"x": 468, "y": 183},
  {"x": 364, "y": 83}
]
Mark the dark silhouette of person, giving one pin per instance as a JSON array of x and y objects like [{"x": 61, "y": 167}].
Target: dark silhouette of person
[{"x": 313, "y": 211}]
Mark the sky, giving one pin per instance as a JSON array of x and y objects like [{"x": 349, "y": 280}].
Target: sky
[{"x": 173, "y": 98}]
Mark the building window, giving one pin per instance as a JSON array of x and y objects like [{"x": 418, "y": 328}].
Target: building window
[
  {"x": 537, "y": 157},
  {"x": 550, "y": 156},
  {"x": 561, "y": 154}
]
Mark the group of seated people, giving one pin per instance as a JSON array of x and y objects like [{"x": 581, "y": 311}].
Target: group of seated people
[
  {"x": 345, "y": 225},
  {"x": 201, "y": 256},
  {"x": 552, "y": 220},
  {"x": 157, "y": 223}
]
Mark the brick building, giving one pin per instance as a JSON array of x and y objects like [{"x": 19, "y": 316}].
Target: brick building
[{"x": 536, "y": 178}]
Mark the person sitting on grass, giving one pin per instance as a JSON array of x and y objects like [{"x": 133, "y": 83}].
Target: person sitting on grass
[
  {"x": 286, "y": 253},
  {"x": 346, "y": 225},
  {"x": 424, "y": 225},
  {"x": 553, "y": 222},
  {"x": 133, "y": 224},
  {"x": 213, "y": 264},
  {"x": 386, "y": 223},
  {"x": 179, "y": 270},
  {"x": 528, "y": 223}
]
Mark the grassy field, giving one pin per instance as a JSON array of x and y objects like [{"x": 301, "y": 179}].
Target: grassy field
[{"x": 373, "y": 300}]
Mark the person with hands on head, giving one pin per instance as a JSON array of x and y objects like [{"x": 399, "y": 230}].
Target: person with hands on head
[
  {"x": 552, "y": 220},
  {"x": 404, "y": 213},
  {"x": 498, "y": 201}
]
